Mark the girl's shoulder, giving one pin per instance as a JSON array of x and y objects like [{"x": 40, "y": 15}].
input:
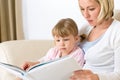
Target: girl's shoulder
[{"x": 53, "y": 49}]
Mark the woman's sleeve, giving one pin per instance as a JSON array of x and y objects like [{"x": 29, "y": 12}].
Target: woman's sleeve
[{"x": 115, "y": 75}]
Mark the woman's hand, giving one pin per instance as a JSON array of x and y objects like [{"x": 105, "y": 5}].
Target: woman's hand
[{"x": 84, "y": 75}]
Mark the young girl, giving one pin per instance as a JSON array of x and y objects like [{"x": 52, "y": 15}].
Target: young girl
[{"x": 65, "y": 34}]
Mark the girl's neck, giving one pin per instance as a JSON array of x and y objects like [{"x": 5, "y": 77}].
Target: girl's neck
[{"x": 63, "y": 54}]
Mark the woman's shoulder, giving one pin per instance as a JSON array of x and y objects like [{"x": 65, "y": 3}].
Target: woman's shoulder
[
  {"x": 115, "y": 21},
  {"x": 114, "y": 30},
  {"x": 115, "y": 24}
]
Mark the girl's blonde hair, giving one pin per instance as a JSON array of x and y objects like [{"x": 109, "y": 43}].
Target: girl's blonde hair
[
  {"x": 65, "y": 27},
  {"x": 107, "y": 7}
]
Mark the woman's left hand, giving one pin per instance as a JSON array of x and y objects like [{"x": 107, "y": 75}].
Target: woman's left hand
[{"x": 84, "y": 75}]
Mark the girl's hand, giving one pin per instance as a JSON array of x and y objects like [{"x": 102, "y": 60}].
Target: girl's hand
[
  {"x": 84, "y": 75},
  {"x": 27, "y": 65}
]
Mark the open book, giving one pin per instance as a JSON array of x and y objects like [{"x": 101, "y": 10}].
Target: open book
[{"x": 59, "y": 69}]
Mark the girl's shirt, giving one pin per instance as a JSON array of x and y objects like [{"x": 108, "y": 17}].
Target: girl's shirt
[{"x": 54, "y": 53}]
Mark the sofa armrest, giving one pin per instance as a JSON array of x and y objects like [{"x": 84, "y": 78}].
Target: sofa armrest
[{"x": 18, "y": 51}]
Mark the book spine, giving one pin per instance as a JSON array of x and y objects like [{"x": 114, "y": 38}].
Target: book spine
[{"x": 27, "y": 77}]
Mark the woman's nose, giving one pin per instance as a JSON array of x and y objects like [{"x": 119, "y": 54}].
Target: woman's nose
[{"x": 86, "y": 14}]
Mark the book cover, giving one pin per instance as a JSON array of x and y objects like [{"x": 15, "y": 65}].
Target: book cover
[{"x": 59, "y": 69}]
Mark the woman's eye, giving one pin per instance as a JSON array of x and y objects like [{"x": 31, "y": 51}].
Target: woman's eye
[
  {"x": 91, "y": 9},
  {"x": 81, "y": 9}
]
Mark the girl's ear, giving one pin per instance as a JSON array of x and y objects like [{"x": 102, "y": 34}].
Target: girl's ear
[{"x": 77, "y": 38}]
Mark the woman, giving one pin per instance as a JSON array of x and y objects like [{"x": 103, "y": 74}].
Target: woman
[{"x": 102, "y": 43}]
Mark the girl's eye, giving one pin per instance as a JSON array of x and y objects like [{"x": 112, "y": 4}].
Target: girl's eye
[
  {"x": 66, "y": 39},
  {"x": 58, "y": 40}
]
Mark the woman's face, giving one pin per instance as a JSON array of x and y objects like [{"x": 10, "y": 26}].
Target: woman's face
[{"x": 90, "y": 10}]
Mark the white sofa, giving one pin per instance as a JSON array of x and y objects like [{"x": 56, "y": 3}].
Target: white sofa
[{"x": 16, "y": 52}]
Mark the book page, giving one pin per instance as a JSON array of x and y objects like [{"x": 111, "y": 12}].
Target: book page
[
  {"x": 57, "y": 70},
  {"x": 43, "y": 63},
  {"x": 13, "y": 69}
]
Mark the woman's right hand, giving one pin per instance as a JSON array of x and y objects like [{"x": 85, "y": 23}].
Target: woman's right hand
[{"x": 84, "y": 75}]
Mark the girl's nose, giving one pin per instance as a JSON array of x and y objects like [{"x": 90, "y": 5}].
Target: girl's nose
[{"x": 62, "y": 42}]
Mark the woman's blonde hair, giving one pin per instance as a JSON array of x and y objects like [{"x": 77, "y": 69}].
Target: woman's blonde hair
[
  {"x": 65, "y": 27},
  {"x": 107, "y": 7}
]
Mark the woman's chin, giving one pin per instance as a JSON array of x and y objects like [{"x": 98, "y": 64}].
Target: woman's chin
[{"x": 92, "y": 24}]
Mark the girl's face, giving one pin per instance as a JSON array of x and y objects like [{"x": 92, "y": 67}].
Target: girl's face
[
  {"x": 90, "y": 10},
  {"x": 66, "y": 44}
]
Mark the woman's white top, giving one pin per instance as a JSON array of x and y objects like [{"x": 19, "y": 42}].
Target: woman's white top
[{"x": 103, "y": 57}]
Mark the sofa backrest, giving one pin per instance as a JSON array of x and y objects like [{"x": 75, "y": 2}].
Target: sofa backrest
[
  {"x": 18, "y": 51},
  {"x": 24, "y": 49}
]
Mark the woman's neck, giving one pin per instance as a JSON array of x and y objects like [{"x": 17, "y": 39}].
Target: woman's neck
[
  {"x": 104, "y": 24},
  {"x": 99, "y": 30}
]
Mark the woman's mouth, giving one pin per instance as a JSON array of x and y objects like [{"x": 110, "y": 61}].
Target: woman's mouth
[{"x": 90, "y": 21}]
